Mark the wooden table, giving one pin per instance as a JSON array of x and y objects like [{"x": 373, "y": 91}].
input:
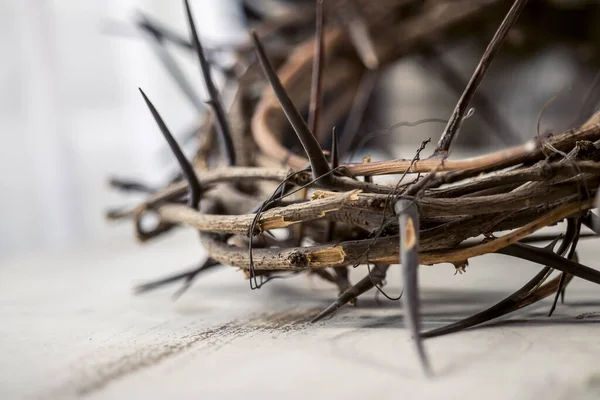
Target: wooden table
[{"x": 70, "y": 327}]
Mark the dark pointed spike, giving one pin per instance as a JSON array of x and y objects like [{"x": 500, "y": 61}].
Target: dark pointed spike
[
  {"x": 366, "y": 283},
  {"x": 555, "y": 261},
  {"x": 174, "y": 278},
  {"x": 146, "y": 287},
  {"x": 409, "y": 257},
  {"x": 207, "y": 265},
  {"x": 545, "y": 238},
  {"x": 186, "y": 167},
  {"x": 317, "y": 159},
  {"x": 505, "y": 306},
  {"x": 317, "y": 72},
  {"x": 155, "y": 38},
  {"x": 335, "y": 154},
  {"x": 222, "y": 125},
  {"x": 561, "y": 283},
  {"x": 564, "y": 275},
  {"x": 496, "y": 311},
  {"x": 450, "y": 132}
]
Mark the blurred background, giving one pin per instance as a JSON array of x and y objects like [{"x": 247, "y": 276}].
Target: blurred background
[{"x": 71, "y": 115}]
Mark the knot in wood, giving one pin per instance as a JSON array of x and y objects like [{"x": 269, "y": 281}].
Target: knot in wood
[{"x": 298, "y": 260}]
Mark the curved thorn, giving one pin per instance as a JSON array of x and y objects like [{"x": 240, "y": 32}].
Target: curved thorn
[
  {"x": 541, "y": 256},
  {"x": 222, "y": 125},
  {"x": 318, "y": 162},
  {"x": 186, "y": 167},
  {"x": 505, "y": 306},
  {"x": 564, "y": 275},
  {"x": 409, "y": 257},
  {"x": 366, "y": 283}
]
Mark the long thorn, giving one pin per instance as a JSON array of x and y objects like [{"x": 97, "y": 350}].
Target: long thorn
[
  {"x": 317, "y": 72},
  {"x": 222, "y": 126},
  {"x": 156, "y": 40},
  {"x": 409, "y": 257},
  {"x": 505, "y": 306},
  {"x": 564, "y": 275},
  {"x": 311, "y": 146},
  {"x": 186, "y": 167},
  {"x": 453, "y": 126},
  {"x": 542, "y": 256},
  {"x": 368, "y": 282}
]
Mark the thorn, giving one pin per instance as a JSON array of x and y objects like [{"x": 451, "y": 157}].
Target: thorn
[
  {"x": 366, "y": 283},
  {"x": 208, "y": 264},
  {"x": 174, "y": 278},
  {"x": 220, "y": 117},
  {"x": 563, "y": 276},
  {"x": 408, "y": 217},
  {"x": 542, "y": 256},
  {"x": 505, "y": 306},
  {"x": 318, "y": 162},
  {"x": 186, "y": 167},
  {"x": 453, "y": 126},
  {"x": 155, "y": 37},
  {"x": 335, "y": 154}
]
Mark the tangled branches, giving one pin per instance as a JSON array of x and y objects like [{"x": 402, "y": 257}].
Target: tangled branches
[{"x": 333, "y": 218}]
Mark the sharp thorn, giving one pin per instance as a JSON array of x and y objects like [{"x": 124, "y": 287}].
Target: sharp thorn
[
  {"x": 542, "y": 256},
  {"x": 409, "y": 257},
  {"x": 365, "y": 284},
  {"x": 311, "y": 146},
  {"x": 222, "y": 125},
  {"x": 186, "y": 167},
  {"x": 335, "y": 154}
]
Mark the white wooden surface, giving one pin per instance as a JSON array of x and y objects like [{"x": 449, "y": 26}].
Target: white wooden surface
[{"x": 70, "y": 327}]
